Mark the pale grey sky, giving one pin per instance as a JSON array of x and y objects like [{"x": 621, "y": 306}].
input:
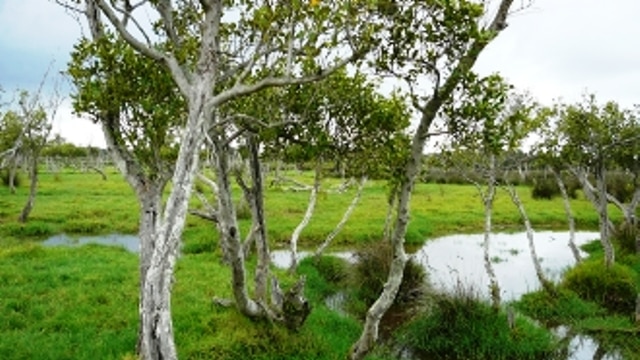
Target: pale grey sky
[{"x": 556, "y": 48}]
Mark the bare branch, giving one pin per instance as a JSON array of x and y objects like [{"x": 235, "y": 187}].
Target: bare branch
[{"x": 245, "y": 89}]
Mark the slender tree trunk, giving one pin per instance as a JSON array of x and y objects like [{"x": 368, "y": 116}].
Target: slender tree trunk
[
  {"x": 386, "y": 233},
  {"x": 547, "y": 285},
  {"x": 305, "y": 220},
  {"x": 343, "y": 221},
  {"x": 229, "y": 231},
  {"x": 589, "y": 192},
  {"x": 33, "y": 188},
  {"x": 488, "y": 197},
  {"x": 609, "y": 254},
  {"x": 13, "y": 169},
  {"x": 260, "y": 225},
  {"x": 570, "y": 218},
  {"x": 411, "y": 168}
]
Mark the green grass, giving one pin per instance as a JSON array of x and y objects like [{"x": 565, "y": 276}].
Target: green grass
[
  {"x": 82, "y": 203},
  {"x": 461, "y": 326},
  {"x": 81, "y": 303}
]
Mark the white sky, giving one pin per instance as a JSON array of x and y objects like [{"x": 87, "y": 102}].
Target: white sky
[{"x": 555, "y": 49}]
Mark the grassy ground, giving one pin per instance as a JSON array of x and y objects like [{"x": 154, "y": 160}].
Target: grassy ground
[
  {"x": 79, "y": 203},
  {"x": 81, "y": 303}
]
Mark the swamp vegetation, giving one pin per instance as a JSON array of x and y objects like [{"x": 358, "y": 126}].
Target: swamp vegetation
[{"x": 81, "y": 302}]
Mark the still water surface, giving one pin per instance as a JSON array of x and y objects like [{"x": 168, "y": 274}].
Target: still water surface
[{"x": 450, "y": 259}]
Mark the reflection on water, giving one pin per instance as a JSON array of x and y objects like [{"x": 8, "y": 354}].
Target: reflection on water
[
  {"x": 450, "y": 259},
  {"x": 129, "y": 242},
  {"x": 456, "y": 258}
]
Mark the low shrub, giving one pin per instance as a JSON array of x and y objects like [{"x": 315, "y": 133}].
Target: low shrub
[
  {"x": 544, "y": 188},
  {"x": 614, "y": 289},
  {"x": 462, "y": 326},
  {"x": 371, "y": 271},
  {"x": 625, "y": 237},
  {"x": 565, "y": 307},
  {"x": 17, "y": 180},
  {"x": 333, "y": 269}
]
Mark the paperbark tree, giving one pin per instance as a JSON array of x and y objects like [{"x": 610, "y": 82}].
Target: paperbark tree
[
  {"x": 439, "y": 43},
  {"x": 483, "y": 136},
  {"x": 591, "y": 135},
  {"x": 210, "y": 48},
  {"x": 25, "y": 131}
]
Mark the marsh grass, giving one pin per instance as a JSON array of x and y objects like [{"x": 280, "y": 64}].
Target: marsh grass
[
  {"x": 81, "y": 303},
  {"x": 611, "y": 323},
  {"x": 463, "y": 326},
  {"x": 83, "y": 203}
]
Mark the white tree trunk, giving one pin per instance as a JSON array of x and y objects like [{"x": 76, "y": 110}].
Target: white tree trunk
[
  {"x": 33, "y": 187},
  {"x": 570, "y": 218},
  {"x": 546, "y": 284},
  {"x": 305, "y": 220},
  {"x": 157, "y": 338},
  {"x": 488, "y": 197},
  {"x": 429, "y": 111},
  {"x": 601, "y": 184},
  {"x": 230, "y": 232},
  {"x": 343, "y": 221}
]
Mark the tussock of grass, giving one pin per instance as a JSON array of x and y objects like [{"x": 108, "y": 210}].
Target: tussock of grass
[{"x": 461, "y": 326}]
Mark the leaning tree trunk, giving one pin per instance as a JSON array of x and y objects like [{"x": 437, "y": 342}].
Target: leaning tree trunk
[
  {"x": 488, "y": 197},
  {"x": 570, "y": 218},
  {"x": 547, "y": 285},
  {"x": 33, "y": 187},
  {"x": 157, "y": 338},
  {"x": 305, "y": 220},
  {"x": 343, "y": 221},
  {"x": 609, "y": 252}
]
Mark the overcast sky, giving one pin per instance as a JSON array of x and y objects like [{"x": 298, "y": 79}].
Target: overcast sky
[{"x": 555, "y": 49}]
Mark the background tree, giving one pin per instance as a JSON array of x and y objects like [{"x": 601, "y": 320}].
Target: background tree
[
  {"x": 591, "y": 134},
  {"x": 431, "y": 46},
  {"x": 25, "y": 131}
]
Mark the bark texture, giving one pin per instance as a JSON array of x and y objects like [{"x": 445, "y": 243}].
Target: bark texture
[{"x": 488, "y": 197}]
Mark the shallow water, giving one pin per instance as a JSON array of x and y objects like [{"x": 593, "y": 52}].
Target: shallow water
[
  {"x": 456, "y": 258},
  {"x": 448, "y": 260},
  {"x": 129, "y": 242}
]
